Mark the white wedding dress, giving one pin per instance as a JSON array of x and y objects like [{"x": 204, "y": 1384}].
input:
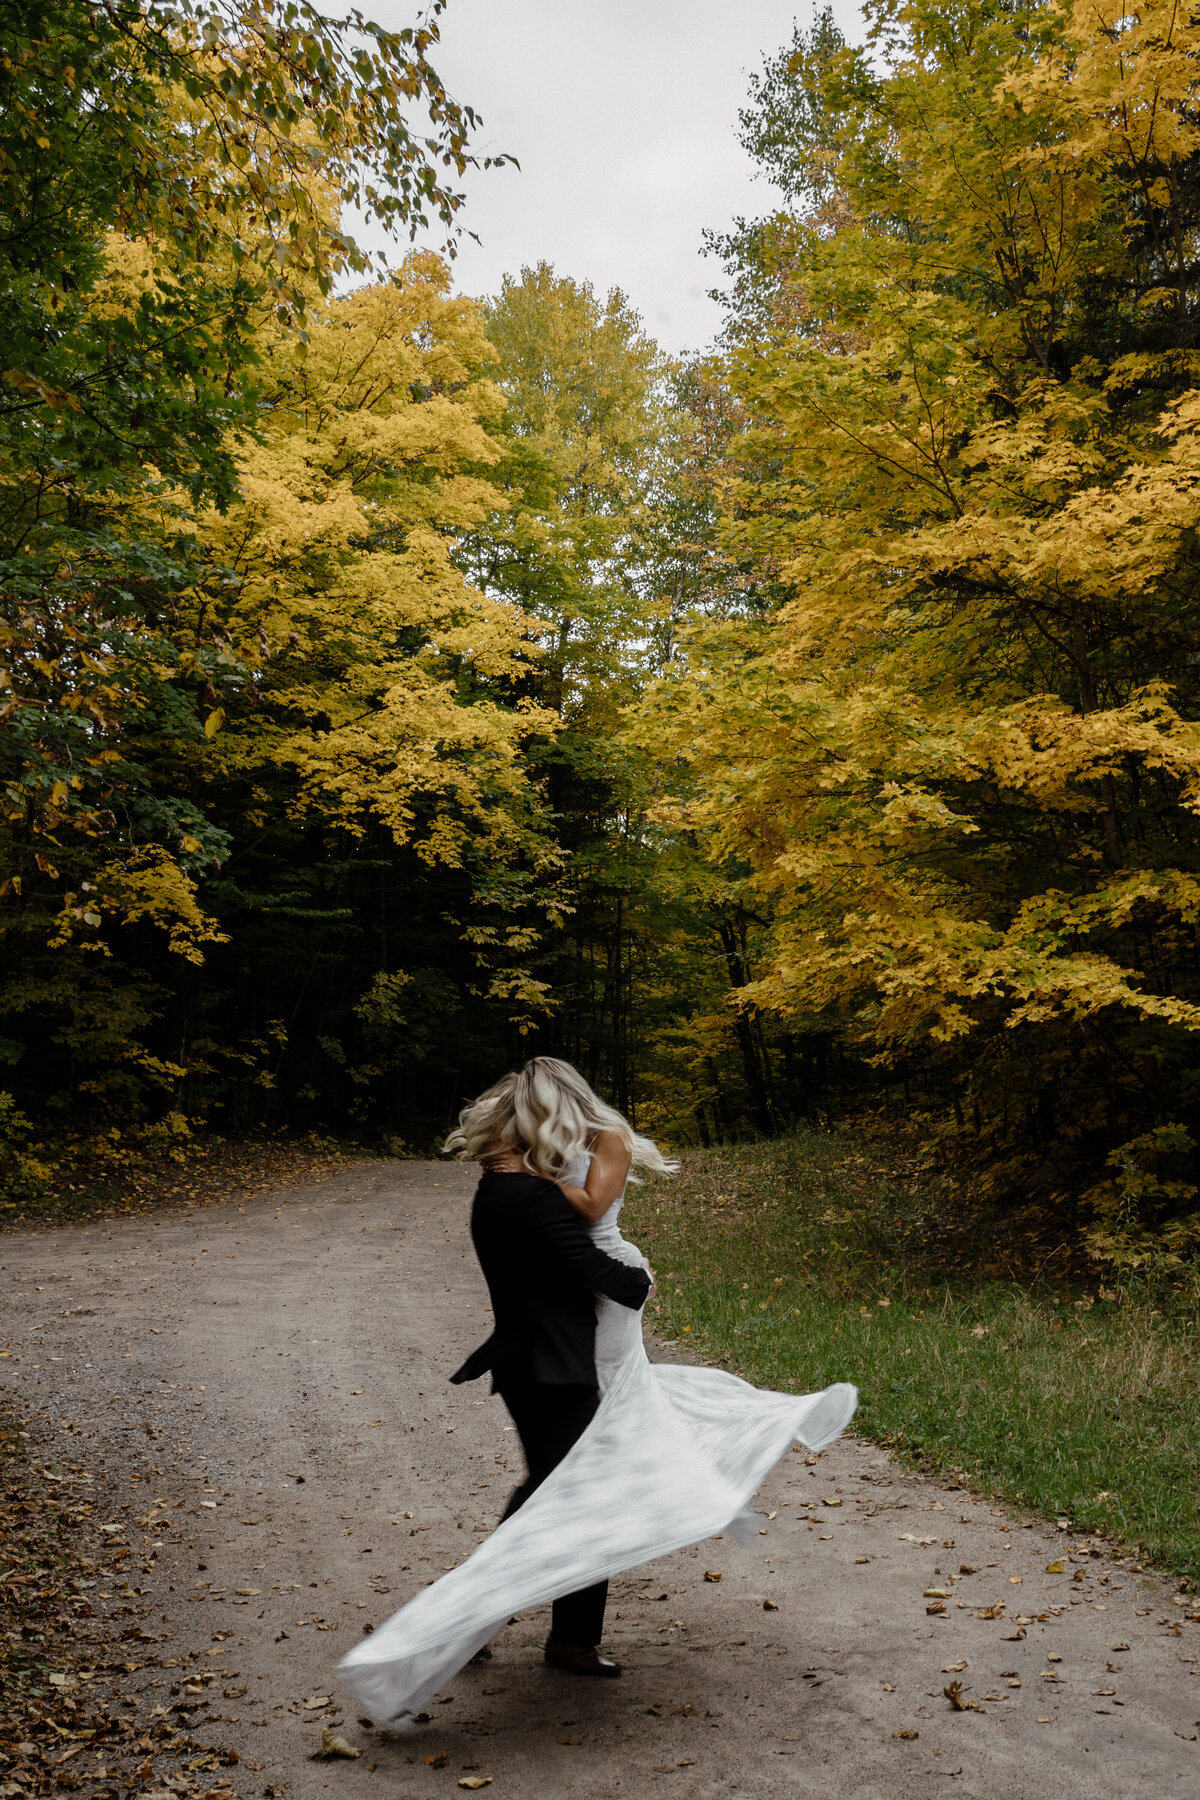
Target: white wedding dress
[{"x": 673, "y": 1455}]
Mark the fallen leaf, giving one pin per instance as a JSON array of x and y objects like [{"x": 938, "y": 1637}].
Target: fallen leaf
[
  {"x": 907, "y": 1537},
  {"x": 936, "y": 1607},
  {"x": 315, "y": 1700},
  {"x": 210, "y": 1504},
  {"x": 958, "y": 1700},
  {"x": 1118, "y": 1646},
  {"x": 247, "y": 1590},
  {"x": 1103, "y": 1693},
  {"x": 1053, "y": 1656},
  {"x": 1055, "y": 1568},
  {"x": 992, "y": 1612},
  {"x": 1043, "y": 1719},
  {"x": 889, "y": 1687},
  {"x": 475, "y": 1781},
  {"x": 955, "y": 1668},
  {"x": 712, "y": 1574},
  {"x": 334, "y": 1745},
  {"x": 436, "y": 1761},
  {"x": 936, "y": 1593},
  {"x": 831, "y": 1500},
  {"x": 770, "y": 1606},
  {"x": 653, "y": 1596},
  {"x": 906, "y": 1734}
]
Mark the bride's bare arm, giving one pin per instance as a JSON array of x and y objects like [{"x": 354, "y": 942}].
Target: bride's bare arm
[{"x": 606, "y": 1178}]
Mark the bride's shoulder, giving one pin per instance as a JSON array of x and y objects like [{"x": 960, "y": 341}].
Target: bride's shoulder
[
  {"x": 610, "y": 1146},
  {"x": 607, "y": 1142}
]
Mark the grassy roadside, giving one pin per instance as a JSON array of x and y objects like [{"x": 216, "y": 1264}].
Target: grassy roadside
[{"x": 819, "y": 1259}]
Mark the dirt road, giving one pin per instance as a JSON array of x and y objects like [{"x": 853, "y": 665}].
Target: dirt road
[{"x": 258, "y": 1393}]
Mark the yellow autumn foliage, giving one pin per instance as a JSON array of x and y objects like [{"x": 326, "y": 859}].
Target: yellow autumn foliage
[
  {"x": 333, "y": 577},
  {"x": 961, "y": 761}
]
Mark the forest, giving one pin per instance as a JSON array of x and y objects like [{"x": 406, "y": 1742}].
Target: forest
[{"x": 400, "y": 683}]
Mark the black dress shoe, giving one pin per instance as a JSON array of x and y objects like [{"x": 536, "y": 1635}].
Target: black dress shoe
[{"x": 578, "y": 1660}]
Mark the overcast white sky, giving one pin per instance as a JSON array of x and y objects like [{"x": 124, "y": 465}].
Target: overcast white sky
[{"x": 623, "y": 115}]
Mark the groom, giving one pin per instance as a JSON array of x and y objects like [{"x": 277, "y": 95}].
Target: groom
[{"x": 543, "y": 1272}]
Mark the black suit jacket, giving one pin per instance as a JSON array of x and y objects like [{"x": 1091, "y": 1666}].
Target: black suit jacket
[{"x": 543, "y": 1272}]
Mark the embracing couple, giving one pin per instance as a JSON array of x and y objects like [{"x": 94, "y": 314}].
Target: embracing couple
[{"x": 627, "y": 1460}]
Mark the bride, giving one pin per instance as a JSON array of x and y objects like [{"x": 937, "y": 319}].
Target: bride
[{"x": 628, "y": 1459}]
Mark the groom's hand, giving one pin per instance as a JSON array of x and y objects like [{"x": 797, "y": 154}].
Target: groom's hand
[
  {"x": 505, "y": 1162},
  {"x": 653, "y": 1283}
]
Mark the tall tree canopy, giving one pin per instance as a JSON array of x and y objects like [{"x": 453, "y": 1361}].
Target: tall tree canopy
[
  {"x": 221, "y": 500},
  {"x": 961, "y": 758}
]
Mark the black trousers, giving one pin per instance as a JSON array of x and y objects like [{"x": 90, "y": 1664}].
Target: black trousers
[{"x": 549, "y": 1418}]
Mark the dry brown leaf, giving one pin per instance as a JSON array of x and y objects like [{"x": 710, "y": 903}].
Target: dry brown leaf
[
  {"x": 332, "y": 1744},
  {"x": 831, "y": 1500},
  {"x": 712, "y": 1574},
  {"x": 955, "y": 1668},
  {"x": 770, "y": 1606},
  {"x": 958, "y": 1700},
  {"x": 992, "y": 1612},
  {"x": 906, "y": 1734},
  {"x": 475, "y": 1781},
  {"x": 436, "y": 1761},
  {"x": 1055, "y": 1567}
]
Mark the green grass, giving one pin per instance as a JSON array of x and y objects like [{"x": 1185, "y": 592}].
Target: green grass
[{"x": 817, "y": 1259}]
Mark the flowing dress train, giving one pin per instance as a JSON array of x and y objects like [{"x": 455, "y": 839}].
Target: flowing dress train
[{"x": 673, "y": 1455}]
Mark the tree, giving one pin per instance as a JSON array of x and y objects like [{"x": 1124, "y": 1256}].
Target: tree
[
  {"x": 171, "y": 183},
  {"x": 960, "y": 759}
]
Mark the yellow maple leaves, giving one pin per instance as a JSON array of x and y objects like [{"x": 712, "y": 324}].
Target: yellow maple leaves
[{"x": 961, "y": 760}]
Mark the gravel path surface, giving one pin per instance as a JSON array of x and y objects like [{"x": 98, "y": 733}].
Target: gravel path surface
[{"x": 258, "y": 1391}]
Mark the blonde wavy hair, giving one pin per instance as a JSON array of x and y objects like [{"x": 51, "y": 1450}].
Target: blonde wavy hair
[{"x": 549, "y": 1112}]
